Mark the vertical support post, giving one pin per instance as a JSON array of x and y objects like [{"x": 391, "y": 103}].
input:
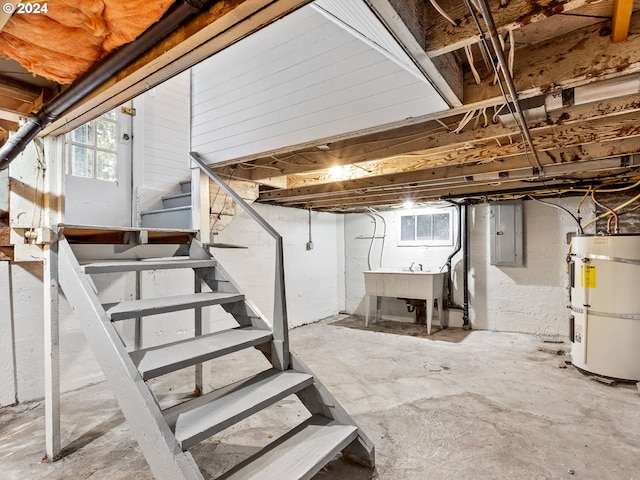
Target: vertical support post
[
  {"x": 51, "y": 352},
  {"x": 201, "y": 220},
  {"x": 7, "y": 339},
  {"x": 52, "y": 150},
  {"x": 202, "y": 327},
  {"x": 137, "y": 336},
  {"x": 280, "y": 355}
]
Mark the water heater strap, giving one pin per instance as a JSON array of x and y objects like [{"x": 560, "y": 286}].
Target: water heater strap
[
  {"x": 593, "y": 313},
  {"x": 607, "y": 258}
]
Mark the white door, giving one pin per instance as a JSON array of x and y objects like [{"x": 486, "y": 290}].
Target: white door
[{"x": 98, "y": 172}]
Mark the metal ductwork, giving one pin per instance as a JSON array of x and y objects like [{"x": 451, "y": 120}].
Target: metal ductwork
[{"x": 97, "y": 75}]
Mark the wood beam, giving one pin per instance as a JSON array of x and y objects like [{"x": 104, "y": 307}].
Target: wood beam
[
  {"x": 622, "y": 10},
  {"x": 475, "y": 176},
  {"x": 443, "y": 37},
  {"x": 8, "y": 125},
  {"x": 436, "y": 146},
  {"x": 499, "y": 168},
  {"x": 485, "y": 188},
  {"x": 225, "y": 23},
  {"x": 569, "y": 60},
  {"x": 26, "y": 93}
]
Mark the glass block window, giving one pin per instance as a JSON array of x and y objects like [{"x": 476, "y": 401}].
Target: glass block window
[{"x": 425, "y": 227}]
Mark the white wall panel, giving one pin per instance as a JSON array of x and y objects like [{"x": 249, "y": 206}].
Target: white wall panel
[
  {"x": 165, "y": 134},
  {"x": 303, "y": 79},
  {"x": 357, "y": 17}
]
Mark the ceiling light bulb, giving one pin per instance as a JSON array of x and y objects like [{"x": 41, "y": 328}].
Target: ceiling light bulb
[{"x": 336, "y": 172}]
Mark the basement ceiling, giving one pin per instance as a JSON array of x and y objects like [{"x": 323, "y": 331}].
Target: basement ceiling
[
  {"x": 578, "y": 86},
  {"x": 328, "y": 69}
]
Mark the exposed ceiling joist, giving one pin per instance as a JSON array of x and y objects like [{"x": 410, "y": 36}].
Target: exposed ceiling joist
[
  {"x": 444, "y": 37},
  {"x": 471, "y": 189},
  {"x": 569, "y": 60},
  {"x": 496, "y": 169},
  {"x": 438, "y": 147}
]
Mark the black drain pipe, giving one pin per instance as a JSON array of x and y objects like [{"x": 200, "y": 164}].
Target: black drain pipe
[
  {"x": 97, "y": 75},
  {"x": 457, "y": 248},
  {"x": 465, "y": 268}
]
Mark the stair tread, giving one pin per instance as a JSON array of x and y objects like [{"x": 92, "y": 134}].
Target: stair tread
[
  {"x": 155, "y": 361},
  {"x": 299, "y": 454},
  {"x": 149, "y": 264},
  {"x": 154, "y": 306},
  {"x": 166, "y": 210},
  {"x": 209, "y": 414},
  {"x": 177, "y": 195}
]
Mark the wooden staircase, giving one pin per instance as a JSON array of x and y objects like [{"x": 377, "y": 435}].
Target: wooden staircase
[
  {"x": 175, "y": 212},
  {"x": 165, "y": 436}
]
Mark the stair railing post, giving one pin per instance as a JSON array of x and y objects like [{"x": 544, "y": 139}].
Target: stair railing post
[{"x": 280, "y": 355}]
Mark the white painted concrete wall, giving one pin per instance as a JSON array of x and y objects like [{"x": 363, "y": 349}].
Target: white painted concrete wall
[
  {"x": 528, "y": 299},
  {"x": 314, "y": 278}
]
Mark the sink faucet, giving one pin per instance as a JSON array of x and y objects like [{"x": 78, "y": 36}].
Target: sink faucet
[
  {"x": 417, "y": 270},
  {"x": 411, "y": 267}
]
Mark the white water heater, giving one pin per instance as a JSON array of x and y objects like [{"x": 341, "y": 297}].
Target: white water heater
[{"x": 605, "y": 305}]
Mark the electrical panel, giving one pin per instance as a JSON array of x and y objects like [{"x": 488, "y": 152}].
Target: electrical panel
[{"x": 506, "y": 233}]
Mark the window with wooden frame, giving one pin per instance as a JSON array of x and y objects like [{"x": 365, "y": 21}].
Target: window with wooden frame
[{"x": 91, "y": 149}]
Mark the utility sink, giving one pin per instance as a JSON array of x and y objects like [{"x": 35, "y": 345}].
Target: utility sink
[{"x": 427, "y": 286}]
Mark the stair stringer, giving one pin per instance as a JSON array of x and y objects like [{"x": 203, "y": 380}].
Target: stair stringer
[
  {"x": 318, "y": 400},
  {"x": 218, "y": 280},
  {"x": 158, "y": 443}
]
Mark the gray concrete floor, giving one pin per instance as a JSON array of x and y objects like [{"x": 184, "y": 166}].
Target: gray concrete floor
[{"x": 458, "y": 405}]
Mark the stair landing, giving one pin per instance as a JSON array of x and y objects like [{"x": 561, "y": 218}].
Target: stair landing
[{"x": 120, "y": 235}]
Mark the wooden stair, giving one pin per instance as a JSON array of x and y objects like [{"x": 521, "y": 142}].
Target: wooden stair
[{"x": 165, "y": 436}]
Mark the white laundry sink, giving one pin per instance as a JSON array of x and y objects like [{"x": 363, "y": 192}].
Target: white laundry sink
[{"x": 427, "y": 286}]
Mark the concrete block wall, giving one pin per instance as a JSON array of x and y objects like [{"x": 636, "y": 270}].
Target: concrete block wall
[
  {"x": 532, "y": 298},
  {"x": 629, "y": 222}
]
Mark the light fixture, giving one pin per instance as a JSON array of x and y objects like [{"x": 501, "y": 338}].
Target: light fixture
[
  {"x": 408, "y": 204},
  {"x": 337, "y": 172}
]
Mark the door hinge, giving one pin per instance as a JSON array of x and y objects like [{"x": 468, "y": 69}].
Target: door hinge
[{"x": 128, "y": 111}]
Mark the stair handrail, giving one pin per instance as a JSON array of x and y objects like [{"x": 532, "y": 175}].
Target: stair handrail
[{"x": 280, "y": 319}]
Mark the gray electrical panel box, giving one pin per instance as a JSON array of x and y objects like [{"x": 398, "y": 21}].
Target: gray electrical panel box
[{"x": 506, "y": 233}]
